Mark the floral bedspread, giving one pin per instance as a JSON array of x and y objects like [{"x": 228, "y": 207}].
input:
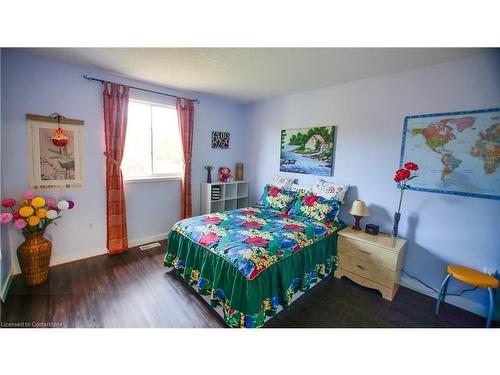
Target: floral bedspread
[{"x": 254, "y": 238}]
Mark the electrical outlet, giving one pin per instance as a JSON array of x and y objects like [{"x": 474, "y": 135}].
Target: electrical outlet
[{"x": 489, "y": 270}]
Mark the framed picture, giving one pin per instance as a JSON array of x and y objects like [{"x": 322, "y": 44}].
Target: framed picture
[
  {"x": 308, "y": 150},
  {"x": 458, "y": 152},
  {"x": 220, "y": 139},
  {"x": 53, "y": 167}
]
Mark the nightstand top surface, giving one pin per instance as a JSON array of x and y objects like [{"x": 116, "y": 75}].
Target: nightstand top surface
[{"x": 381, "y": 239}]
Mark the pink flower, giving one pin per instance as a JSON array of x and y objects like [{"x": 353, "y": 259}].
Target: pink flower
[
  {"x": 208, "y": 239},
  {"x": 20, "y": 223},
  {"x": 293, "y": 227},
  {"x": 252, "y": 224},
  {"x": 309, "y": 200},
  {"x": 71, "y": 204},
  {"x": 256, "y": 241},
  {"x": 8, "y": 202},
  {"x": 6, "y": 218},
  {"x": 28, "y": 195},
  {"x": 16, "y": 215},
  {"x": 274, "y": 191},
  {"x": 50, "y": 203},
  {"x": 213, "y": 220}
]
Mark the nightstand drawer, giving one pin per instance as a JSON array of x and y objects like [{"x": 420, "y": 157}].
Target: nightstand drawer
[
  {"x": 366, "y": 269},
  {"x": 368, "y": 253}
]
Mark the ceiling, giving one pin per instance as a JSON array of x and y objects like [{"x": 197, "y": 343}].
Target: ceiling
[{"x": 247, "y": 75}]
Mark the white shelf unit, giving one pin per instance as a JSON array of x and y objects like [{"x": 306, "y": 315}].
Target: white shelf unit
[{"x": 232, "y": 195}]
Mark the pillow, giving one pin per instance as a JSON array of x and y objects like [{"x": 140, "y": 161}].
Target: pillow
[
  {"x": 330, "y": 190},
  {"x": 276, "y": 198},
  {"x": 282, "y": 182},
  {"x": 303, "y": 189},
  {"x": 316, "y": 207}
]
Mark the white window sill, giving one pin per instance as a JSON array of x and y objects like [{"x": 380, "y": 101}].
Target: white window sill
[{"x": 152, "y": 179}]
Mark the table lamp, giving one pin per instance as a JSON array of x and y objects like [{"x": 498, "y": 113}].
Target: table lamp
[{"x": 358, "y": 210}]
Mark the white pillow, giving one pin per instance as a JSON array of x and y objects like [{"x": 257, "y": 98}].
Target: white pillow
[
  {"x": 304, "y": 189},
  {"x": 330, "y": 190},
  {"x": 282, "y": 182}
]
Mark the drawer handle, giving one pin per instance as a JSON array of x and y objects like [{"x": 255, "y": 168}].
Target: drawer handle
[
  {"x": 363, "y": 268},
  {"x": 366, "y": 252}
]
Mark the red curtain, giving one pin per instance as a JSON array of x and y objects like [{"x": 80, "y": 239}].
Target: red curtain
[
  {"x": 185, "y": 114},
  {"x": 115, "y": 129}
]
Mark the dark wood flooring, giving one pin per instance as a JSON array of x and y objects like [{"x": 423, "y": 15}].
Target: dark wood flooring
[{"x": 134, "y": 290}]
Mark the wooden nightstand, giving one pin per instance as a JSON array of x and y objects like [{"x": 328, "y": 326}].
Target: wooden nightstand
[{"x": 371, "y": 261}]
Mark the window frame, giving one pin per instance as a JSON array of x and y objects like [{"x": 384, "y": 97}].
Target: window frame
[{"x": 153, "y": 177}]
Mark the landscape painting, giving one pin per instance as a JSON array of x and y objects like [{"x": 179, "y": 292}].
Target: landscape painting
[{"x": 308, "y": 150}]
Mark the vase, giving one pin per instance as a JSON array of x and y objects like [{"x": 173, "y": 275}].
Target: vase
[
  {"x": 209, "y": 176},
  {"x": 34, "y": 258},
  {"x": 395, "y": 224}
]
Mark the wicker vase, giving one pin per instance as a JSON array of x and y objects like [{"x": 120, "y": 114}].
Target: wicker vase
[{"x": 34, "y": 258}]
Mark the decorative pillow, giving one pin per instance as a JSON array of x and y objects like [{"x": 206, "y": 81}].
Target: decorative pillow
[
  {"x": 330, "y": 190},
  {"x": 282, "y": 182},
  {"x": 316, "y": 207},
  {"x": 303, "y": 189},
  {"x": 277, "y": 198}
]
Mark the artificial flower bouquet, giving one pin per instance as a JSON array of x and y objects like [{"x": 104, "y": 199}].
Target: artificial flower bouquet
[
  {"x": 34, "y": 214},
  {"x": 402, "y": 177}
]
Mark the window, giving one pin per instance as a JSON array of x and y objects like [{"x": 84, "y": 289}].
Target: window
[{"x": 153, "y": 146}]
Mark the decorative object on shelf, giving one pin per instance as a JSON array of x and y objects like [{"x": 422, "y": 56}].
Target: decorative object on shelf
[
  {"x": 358, "y": 210},
  {"x": 55, "y": 155},
  {"x": 459, "y": 150},
  {"x": 33, "y": 216},
  {"x": 209, "y": 169},
  {"x": 402, "y": 177},
  {"x": 225, "y": 174},
  {"x": 372, "y": 229},
  {"x": 308, "y": 150},
  {"x": 220, "y": 139},
  {"x": 239, "y": 171}
]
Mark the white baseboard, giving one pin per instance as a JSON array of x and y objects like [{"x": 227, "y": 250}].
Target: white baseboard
[
  {"x": 463, "y": 303},
  {"x": 66, "y": 258},
  {"x": 145, "y": 240}
]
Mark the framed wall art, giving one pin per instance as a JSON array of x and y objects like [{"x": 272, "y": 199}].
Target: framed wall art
[
  {"x": 55, "y": 153},
  {"x": 458, "y": 152},
  {"x": 308, "y": 150},
  {"x": 220, "y": 139}
]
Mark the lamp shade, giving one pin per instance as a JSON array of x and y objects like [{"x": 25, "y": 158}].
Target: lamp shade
[{"x": 359, "y": 209}]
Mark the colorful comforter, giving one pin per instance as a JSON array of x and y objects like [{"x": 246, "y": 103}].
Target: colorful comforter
[{"x": 251, "y": 260}]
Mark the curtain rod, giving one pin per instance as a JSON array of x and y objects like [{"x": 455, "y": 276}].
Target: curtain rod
[{"x": 140, "y": 89}]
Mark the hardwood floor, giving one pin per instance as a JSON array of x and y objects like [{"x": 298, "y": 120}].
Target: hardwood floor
[{"x": 134, "y": 290}]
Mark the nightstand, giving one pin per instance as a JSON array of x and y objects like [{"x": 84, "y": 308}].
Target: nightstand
[{"x": 371, "y": 261}]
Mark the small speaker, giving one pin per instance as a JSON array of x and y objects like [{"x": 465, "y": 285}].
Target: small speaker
[{"x": 371, "y": 229}]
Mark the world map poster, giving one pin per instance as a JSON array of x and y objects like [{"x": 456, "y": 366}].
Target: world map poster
[{"x": 458, "y": 153}]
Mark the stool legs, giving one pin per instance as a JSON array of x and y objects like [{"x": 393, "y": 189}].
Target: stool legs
[
  {"x": 492, "y": 307},
  {"x": 442, "y": 292}
]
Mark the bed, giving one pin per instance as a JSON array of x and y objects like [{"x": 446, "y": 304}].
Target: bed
[{"x": 252, "y": 262}]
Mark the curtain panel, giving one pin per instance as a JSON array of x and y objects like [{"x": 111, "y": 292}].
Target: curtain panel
[
  {"x": 185, "y": 114},
  {"x": 116, "y": 99}
]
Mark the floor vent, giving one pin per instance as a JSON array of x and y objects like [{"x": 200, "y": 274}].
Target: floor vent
[{"x": 150, "y": 246}]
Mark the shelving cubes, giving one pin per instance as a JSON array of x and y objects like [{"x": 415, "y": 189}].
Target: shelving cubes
[{"x": 223, "y": 196}]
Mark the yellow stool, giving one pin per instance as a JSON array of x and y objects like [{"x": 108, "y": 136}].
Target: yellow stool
[{"x": 472, "y": 277}]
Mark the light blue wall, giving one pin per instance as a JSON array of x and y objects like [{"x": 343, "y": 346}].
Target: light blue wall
[
  {"x": 369, "y": 117},
  {"x": 40, "y": 86}
]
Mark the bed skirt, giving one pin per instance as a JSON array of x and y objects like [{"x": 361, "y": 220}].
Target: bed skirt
[{"x": 249, "y": 303}]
